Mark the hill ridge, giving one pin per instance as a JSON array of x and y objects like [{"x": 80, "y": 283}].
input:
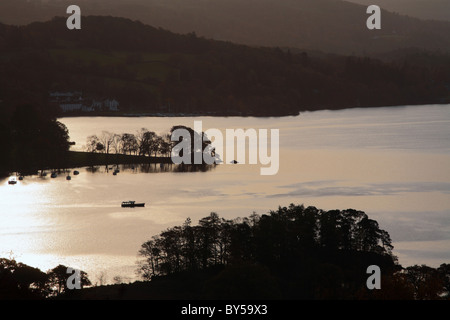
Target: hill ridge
[{"x": 325, "y": 25}]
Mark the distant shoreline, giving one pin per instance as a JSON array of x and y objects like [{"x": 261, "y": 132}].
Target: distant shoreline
[
  {"x": 169, "y": 115},
  {"x": 189, "y": 115},
  {"x": 78, "y": 159}
]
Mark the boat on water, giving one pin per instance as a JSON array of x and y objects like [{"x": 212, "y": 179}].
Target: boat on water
[{"x": 132, "y": 204}]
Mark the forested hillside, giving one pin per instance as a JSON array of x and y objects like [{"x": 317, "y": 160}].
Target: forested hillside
[{"x": 153, "y": 70}]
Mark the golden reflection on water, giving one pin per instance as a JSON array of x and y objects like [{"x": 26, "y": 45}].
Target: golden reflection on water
[
  {"x": 22, "y": 217},
  {"x": 46, "y": 222}
]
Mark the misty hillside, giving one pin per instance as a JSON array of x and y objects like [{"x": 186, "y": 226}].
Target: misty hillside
[
  {"x": 327, "y": 25},
  {"x": 153, "y": 70},
  {"x": 423, "y": 9}
]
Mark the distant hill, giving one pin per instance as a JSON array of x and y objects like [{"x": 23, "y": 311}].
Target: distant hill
[
  {"x": 327, "y": 25},
  {"x": 150, "y": 70},
  {"x": 423, "y": 9}
]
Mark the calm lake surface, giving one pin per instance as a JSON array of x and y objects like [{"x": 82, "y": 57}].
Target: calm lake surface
[{"x": 392, "y": 163}]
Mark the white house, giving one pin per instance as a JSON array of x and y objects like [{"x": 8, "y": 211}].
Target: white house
[
  {"x": 96, "y": 105},
  {"x": 73, "y": 101},
  {"x": 112, "y": 105}
]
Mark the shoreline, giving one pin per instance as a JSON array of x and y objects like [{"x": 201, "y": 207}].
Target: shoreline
[
  {"x": 213, "y": 115},
  {"x": 80, "y": 159}
]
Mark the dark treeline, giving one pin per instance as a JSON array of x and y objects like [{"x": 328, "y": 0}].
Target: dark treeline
[
  {"x": 31, "y": 139},
  {"x": 20, "y": 281},
  {"x": 143, "y": 143},
  {"x": 294, "y": 252},
  {"x": 148, "y": 143},
  {"x": 153, "y": 70}
]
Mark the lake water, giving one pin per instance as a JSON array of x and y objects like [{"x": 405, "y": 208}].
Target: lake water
[{"x": 392, "y": 163}]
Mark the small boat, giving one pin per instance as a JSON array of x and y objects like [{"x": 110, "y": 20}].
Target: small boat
[{"x": 132, "y": 204}]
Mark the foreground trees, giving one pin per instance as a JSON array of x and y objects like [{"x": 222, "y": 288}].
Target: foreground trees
[
  {"x": 57, "y": 279},
  {"x": 303, "y": 252},
  {"x": 279, "y": 237},
  {"x": 20, "y": 281}
]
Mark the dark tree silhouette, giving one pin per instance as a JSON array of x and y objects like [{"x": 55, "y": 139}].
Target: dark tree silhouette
[
  {"x": 36, "y": 140},
  {"x": 312, "y": 252},
  {"x": 20, "y": 281},
  {"x": 58, "y": 277},
  {"x": 199, "y": 143},
  {"x": 427, "y": 283}
]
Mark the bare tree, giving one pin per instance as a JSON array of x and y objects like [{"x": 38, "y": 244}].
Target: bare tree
[
  {"x": 92, "y": 143},
  {"x": 116, "y": 143},
  {"x": 106, "y": 138},
  {"x": 101, "y": 278}
]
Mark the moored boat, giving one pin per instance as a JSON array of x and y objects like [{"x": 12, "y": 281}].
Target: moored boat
[{"x": 132, "y": 204}]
